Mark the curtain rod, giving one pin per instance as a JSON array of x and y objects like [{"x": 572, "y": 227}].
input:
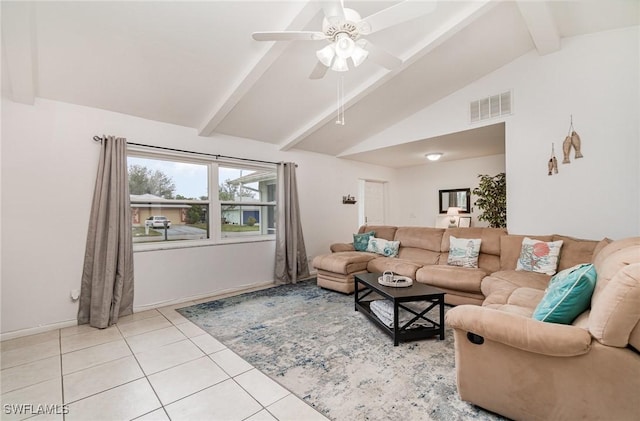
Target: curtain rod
[{"x": 99, "y": 139}]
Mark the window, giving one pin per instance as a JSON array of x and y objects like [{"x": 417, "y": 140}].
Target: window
[
  {"x": 247, "y": 201},
  {"x": 173, "y": 199}
]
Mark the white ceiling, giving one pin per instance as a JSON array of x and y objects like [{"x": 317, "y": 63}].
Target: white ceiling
[{"x": 195, "y": 64}]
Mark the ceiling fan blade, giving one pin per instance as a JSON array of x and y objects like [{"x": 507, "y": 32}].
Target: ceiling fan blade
[
  {"x": 382, "y": 57},
  {"x": 333, "y": 8},
  {"x": 396, "y": 14},
  {"x": 289, "y": 36},
  {"x": 319, "y": 71}
]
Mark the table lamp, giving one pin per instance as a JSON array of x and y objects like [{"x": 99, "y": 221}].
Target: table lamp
[{"x": 452, "y": 212}]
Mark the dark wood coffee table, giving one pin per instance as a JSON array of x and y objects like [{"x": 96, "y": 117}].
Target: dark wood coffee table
[{"x": 367, "y": 289}]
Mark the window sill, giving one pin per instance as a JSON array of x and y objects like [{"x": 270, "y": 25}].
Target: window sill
[{"x": 171, "y": 245}]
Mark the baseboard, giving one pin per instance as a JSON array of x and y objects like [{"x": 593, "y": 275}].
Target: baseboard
[
  {"x": 35, "y": 330},
  {"x": 206, "y": 297},
  {"x": 199, "y": 297}
]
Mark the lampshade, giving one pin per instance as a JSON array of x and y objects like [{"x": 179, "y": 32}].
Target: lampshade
[
  {"x": 434, "y": 156},
  {"x": 326, "y": 55},
  {"x": 344, "y": 46},
  {"x": 340, "y": 64},
  {"x": 453, "y": 211},
  {"x": 359, "y": 53}
]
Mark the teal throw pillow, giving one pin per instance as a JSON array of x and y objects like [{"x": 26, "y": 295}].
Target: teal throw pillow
[
  {"x": 568, "y": 295},
  {"x": 361, "y": 241},
  {"x": 384, "y": 247}
]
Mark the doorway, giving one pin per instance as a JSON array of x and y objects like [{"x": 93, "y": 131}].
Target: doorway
[{"x": 371, "y": 210}]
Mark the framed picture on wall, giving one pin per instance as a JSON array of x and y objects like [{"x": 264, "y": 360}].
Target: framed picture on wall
[{"x": 464, "y": 222}]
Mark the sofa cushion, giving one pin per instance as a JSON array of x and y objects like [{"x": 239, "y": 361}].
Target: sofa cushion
[
  {"x": 384, "y": 247},
  {"x": 490, "y": 238},
  {"x": 382, "y": 231},
  {"x": 518, "y": 279},
  {"x": 499, "y": 286},
  {"x": 568, "y": 295},
  {"x": 452, "y": 277},
  {"x": 425, "y": 238},
  {"x": 396, "y": 265},
  {"x": 463, "y": 252},
  {"x": 455, "y": 297},
  {"x": 338, "y": 247},
  {"x": 601, "y": 244},
  {"x": 616, "y": 312},
  {"x": 574, "y": 251},
  {"x": 489, "y": 258},
  {"x": 539, "y": 256},
  {"x": 510, "y": 247},
  {"x": 361, "y": 241},
  {"x": 345, "y": 262},
  {"x": 418, "y": 255},
  {"x": 615, "y": 307},
  {"x": 525, "y": 297}
]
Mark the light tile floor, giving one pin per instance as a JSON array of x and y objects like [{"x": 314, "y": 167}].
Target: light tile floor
[{"x": 152, "y": 365}]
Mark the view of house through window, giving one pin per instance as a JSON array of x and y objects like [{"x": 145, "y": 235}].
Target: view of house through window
[
  {"x": 169, "y": 200},
  {"x": 247, "y": 201},
  {"x": 173, "y": 200}
]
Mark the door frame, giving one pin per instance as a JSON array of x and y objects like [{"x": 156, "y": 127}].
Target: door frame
[{"x": 362, "y": 203}]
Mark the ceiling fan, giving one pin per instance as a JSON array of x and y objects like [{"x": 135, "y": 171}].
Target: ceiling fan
[{"x": 343, "y": 28}]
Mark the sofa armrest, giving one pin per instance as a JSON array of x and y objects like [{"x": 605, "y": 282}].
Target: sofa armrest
[
  {"x": 337, "y": 247},
  {"x": 520, "y": 332}
]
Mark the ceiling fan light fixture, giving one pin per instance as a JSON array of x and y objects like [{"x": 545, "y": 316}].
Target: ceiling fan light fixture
[
  {"x": 359, "y": 55},
  {"x": 344, "y": 46},
  {"x": 434, "y": 156},
  {"x": 340, "y": 64},
  {"x": 326, "y": 55}
]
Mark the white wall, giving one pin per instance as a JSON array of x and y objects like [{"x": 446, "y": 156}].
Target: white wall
[
  {"x": 416, "y": 188},
  {"x": 49, "y": 163},
  {"x": 595, "y": 79}
]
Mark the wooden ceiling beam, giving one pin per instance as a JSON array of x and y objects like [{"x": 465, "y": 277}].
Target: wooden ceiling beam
[
  {"x": 255, "y": 70},
  {"x": 541, "y": 25}
]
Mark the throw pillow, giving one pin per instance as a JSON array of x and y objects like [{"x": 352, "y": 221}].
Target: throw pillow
[
  {"x": 383, "y": 247},
  {"x": 539, "y": 256},
  {"x": 568, "y": 295},
  {"x": 464, "y": 252},
  {"x": 361, "y": 241}
]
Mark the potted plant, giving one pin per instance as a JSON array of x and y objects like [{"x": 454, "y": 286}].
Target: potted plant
[{"x": 491, "y": 196}]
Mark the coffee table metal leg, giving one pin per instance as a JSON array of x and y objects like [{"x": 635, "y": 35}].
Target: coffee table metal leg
[
  {"x": 396, "y": 327},
  {"x": 441, "y": 305}
]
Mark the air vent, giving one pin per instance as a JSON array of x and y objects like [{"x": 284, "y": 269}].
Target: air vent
[{"x": 490, "y": 107}]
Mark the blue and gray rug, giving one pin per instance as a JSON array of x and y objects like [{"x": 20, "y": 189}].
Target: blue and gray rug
[{"x": 315, "y": 344}]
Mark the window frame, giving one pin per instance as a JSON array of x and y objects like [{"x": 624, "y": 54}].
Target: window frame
[{"x": 214, "y": 203}]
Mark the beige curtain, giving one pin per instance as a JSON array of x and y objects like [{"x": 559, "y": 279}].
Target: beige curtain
[
  {"x": 291, "y": 254},
  {"x": 107, "y": 278}
]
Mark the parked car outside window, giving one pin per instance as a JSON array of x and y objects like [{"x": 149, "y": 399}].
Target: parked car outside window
[{"x": 157, "y": 222}]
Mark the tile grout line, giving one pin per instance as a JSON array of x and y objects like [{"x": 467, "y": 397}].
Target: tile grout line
[
  {"x": 145, "y": 376},
  {"x": 254, "y": 398},
  {"x": 260, "y": 371},
  {"x": 239, "y": 374},
  {"x": 61, "y": 376},
  {"x": 162, "y": 405}
]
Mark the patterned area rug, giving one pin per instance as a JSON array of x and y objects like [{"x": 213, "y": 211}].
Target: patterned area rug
[{"x": 314, "y": 343}]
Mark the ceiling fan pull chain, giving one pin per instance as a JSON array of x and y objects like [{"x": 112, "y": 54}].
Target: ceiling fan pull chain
[{"x": 340, "y": 119}]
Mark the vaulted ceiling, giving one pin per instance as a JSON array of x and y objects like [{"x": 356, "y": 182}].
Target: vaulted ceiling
[{"x": 195, "y": 64}]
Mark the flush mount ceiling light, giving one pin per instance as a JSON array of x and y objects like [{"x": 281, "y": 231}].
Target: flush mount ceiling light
[{"x": 434, "y": 156}]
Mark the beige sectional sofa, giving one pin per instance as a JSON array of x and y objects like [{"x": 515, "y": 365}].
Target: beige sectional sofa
[
  {"x": 507, "y": 361},
  {"x": 422, "y": 256},
  {"x": 525, "y": 369}
]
